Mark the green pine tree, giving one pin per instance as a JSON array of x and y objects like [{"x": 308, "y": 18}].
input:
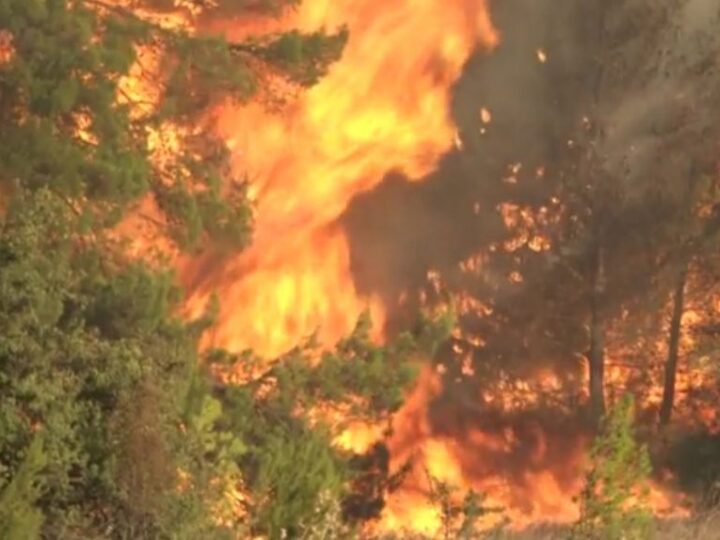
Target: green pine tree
[
  {"x": 20, "y": 518},
  {"x": 612, "y": 501}
]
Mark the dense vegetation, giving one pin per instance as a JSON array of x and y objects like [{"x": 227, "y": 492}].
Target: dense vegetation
[{"x": 113, "y": 425}]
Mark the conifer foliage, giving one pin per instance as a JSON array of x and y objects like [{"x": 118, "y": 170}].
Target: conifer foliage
[
  {"x": 70, "y": 123},
  {"x": 611, "y": 503}
]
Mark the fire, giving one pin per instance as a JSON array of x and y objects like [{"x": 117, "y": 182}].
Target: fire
[
  {"x": 480, "y": 460},
  {"x": 284, "y": 301},
  {"x": 383, "y": 107},
  {"x": 485, "y": 115},
  {"x": 526, "y": 474},
  {"x": 411, "y": 507},
  {"x": 6, "y": 47}
]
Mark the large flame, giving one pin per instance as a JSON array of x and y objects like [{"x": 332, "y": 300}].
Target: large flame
[{"x": 384, "y": 106}]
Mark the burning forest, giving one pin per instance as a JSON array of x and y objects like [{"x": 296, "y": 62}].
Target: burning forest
[{"x": 359, "y": 269}]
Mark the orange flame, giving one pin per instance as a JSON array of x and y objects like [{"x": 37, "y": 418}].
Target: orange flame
[{"x": 384, "y": 106}]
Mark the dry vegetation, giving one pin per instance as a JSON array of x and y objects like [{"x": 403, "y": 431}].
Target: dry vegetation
[
  {"x": 705, "y": 526},
  {"x": 701, "y": 527}
]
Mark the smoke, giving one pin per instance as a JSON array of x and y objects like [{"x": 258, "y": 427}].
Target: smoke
[
  {"x": 518, "y": 111},
  {"x": 660, "y": 89},
  {"x": 399, "y": 231},
  {"x": 534, "y": 87},
  {"x": 646, "y": 72},
  {"x": 538, "y": 86}
]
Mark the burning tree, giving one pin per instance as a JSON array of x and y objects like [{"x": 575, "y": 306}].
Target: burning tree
[
  {"x": 630, "y": 200},
  {"x": 599, "y": 161},
  {"x": 668, "y": 142}
]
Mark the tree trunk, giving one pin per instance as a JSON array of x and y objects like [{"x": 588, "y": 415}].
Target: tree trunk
[
  {"x": 596, "y": 355},
  {"x": 673, "y": 348}
]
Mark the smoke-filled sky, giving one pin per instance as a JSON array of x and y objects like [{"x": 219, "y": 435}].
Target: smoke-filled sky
[{"x": 401, "y": 230}]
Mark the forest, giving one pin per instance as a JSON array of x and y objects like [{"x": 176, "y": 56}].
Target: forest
[{"x": 369, "y": 269}]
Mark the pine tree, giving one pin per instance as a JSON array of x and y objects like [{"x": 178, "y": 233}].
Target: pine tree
[
  {"x": 289, "y": 464},
  {"x": 610, "y": 507}
]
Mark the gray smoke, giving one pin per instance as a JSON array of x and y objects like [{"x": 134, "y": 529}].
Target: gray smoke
[
  {"x": 399, "y": 231},
  {"x": 644, "y": 70}
]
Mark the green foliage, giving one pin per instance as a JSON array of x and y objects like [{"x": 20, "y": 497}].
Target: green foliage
[
  {"x": 57, "y": 75},
  {"x": 91, "y": 351},
  {"x": 288, "y": 461},
  {"x": 95, "y": 360},
  {"x": 295, "y": 468},
  {"x": 304, "y": 57},
  {"x": 20, "y": 519},
  {"x": 458, "y": 518},
  {"x": 207, "y": 65},
  {"x": 134, "y": 301},
  {"x": 92, "y": 354},
  {"x": 610, "y": 504},
  {"x": 68, "y": 123}
]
